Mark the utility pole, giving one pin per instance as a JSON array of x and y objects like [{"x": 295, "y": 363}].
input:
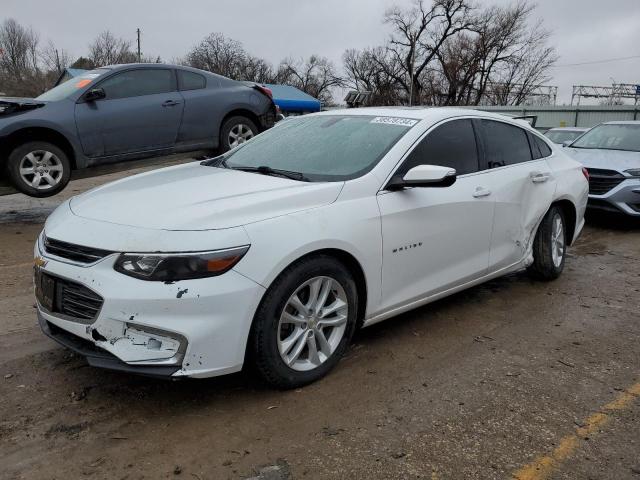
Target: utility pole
[
  {"x": 139, "y": 54},
  {"x": 58, "y": 66},
  {"x": 413, "y": 59}
]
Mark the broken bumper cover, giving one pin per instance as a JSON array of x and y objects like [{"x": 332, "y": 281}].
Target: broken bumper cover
[
  {"x": 98, "y": 357},
  {"x": 193, "y": 328}
]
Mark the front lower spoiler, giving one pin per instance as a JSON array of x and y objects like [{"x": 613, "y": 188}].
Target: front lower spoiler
[{"x": 98, "y": 357}]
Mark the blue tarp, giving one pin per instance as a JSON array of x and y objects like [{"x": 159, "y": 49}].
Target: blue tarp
[{"x": 290, "y": 99}]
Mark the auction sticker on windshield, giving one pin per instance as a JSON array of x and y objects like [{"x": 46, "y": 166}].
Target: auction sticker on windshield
[{"x": 404, "y": 122}]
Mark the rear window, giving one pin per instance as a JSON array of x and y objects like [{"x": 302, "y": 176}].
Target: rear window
[
  {"x": 504, "y": 144},
  {"x": 191, "y": 80}
]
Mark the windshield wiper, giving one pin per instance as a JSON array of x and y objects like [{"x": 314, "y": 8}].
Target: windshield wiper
[{"x": 266, "y": 170}]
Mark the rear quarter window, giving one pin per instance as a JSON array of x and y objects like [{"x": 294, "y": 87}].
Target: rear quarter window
[
  {"x": 545, "y": 151},
  {"x": 191, "y": 80}
]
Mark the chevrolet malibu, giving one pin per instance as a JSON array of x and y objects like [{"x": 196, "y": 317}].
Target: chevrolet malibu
[{"x": 273, "y": 254}]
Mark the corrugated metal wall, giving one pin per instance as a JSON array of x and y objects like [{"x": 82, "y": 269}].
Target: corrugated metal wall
[{"x": 583, "y": 116}]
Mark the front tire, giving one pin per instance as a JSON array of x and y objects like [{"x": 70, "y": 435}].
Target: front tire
[
  {"x": 236, "y": 131},
  {"x": 549, "y": 246},
  {"x": 304, "y": 323},
  {"x": 38, "y": 169}
]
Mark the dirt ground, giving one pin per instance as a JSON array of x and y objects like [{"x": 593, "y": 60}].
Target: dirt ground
[{"x": 511, "y": 379}]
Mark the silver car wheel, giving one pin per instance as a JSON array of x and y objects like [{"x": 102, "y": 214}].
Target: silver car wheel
[
  {"x": 557, "y": 240},
  {"x": 41, "y": 169},
  {"x": 239, "y": 134},
  {"x": 312, "y": 323}
]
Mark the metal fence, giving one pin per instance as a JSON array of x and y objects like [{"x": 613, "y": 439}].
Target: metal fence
[{"x": 582, "y": 116}]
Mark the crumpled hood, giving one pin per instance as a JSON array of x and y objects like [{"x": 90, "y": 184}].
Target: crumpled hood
[
  {"x": 9, "y": 105},
  {"x": 605, "y": 159},
  {"x": 197, "y": 197}
]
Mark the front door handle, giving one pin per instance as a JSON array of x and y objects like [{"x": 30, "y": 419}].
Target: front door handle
[
  {"x": 481, "y": 192},
  {"x": 170, "y": 103},
  {"x": 539, "y": 177}
]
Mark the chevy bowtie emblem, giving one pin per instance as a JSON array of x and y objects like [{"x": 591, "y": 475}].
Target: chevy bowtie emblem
[{"x": 39, "y": 262}]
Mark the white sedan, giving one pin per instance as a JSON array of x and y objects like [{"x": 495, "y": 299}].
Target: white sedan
[{"x": 273, "y": 254}]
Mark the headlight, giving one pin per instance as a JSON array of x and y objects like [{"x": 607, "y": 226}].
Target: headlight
[
  {"x": 634, "y": 172},
  {"x": 172, "y": 267}
]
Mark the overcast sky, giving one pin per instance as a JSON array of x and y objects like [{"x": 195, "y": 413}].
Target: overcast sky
[{"x": 583, "y": 30}]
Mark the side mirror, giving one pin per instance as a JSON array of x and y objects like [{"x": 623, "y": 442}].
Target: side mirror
[
  {"x": 566, "y": 143},
  {"x": 424, "y": 176},
  {"x": 94, "y": 94}
]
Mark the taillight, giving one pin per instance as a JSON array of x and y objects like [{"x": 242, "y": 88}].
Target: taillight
[
  {"x": 585, "y": 172},
  {"x": 266, "y": 91}
]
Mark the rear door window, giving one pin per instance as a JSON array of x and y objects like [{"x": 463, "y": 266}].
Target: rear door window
[
  {"x": 137, "y": 83},
  {"x": 191, "y": 80},
  {"x": 504, "y": 144},
  {"x": 452, "y": 144}
]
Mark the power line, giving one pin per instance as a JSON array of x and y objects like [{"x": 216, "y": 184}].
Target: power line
[{"x": 609, "y": 60}]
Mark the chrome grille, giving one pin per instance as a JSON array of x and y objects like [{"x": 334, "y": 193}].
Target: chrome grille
[
  {"x": 73, "y": 252},
  {"x": 603, "y": 181}
]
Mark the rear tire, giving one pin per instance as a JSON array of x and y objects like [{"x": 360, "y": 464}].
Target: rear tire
[
  {"x": 293, "y": 346},
  {"x": 549, "y": 246},
  {"x": 236, "y": 131},
  {"x": 38, "y": 169}
]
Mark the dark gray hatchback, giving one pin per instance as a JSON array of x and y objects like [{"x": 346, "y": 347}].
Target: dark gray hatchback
[{"x": 124, "y": 112}]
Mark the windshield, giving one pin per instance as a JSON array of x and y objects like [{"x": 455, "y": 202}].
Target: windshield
[
  {"x": 323, "y": 147},
  {"x": 561, "y": 136},
  {"x": 71, "y": 86},
  {"x": 614, "y": 136}
]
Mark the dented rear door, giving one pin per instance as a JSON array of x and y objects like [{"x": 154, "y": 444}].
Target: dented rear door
[{"x": 522, "y": 188}]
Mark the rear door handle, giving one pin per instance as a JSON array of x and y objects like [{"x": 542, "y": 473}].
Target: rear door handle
[
  {"x": 170, "y": 103},
  {"x": 539, "y": 177},
  {"x": 481, "y": 192}
]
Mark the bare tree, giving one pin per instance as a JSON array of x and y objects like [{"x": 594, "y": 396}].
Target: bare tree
[
  {"x": 107, "y": 49},
  {"x": 512, "y": 54},
  {"x": 371, "y": 70},
  {"x": 453, "y": 53},
  {"x": 53, "y": 59},
  {"x": 218, "y": 54},
  {"x": 257, "y": 70},
  {"x": 418, "y": 35},
  {"x": 315, "y": 76},
  {"x": 227, "y": 57},
  {"x": 19, "y": 72},
  {"x": 18, "y": 48}
]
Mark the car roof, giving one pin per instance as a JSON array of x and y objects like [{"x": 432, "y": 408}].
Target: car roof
[
  {"x": 568, "y": 129},
  {"x": 125, "y": 66},
  {"x": 622, "y": 122},
  {"x": 430, "y": 114}
]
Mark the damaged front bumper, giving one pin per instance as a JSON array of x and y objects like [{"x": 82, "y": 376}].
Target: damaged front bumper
[
  {"x": 193, "y": 328},
  {"x": 98, "y": 357}
]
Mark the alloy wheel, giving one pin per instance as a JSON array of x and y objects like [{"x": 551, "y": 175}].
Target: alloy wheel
[
  {"x": 312, "y": 323},
  {"x": 557, "y": 240},
  {"x": 239, "y": 134},
  {"x": 41, "y": 169}
]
